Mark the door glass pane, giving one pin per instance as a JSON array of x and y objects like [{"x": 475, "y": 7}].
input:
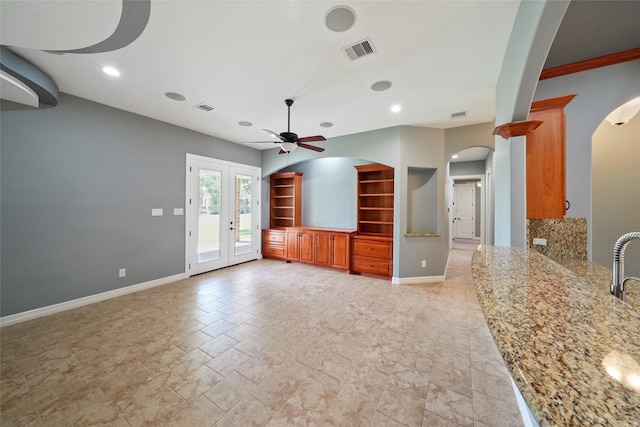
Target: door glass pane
[
  {"x": 209, "y": 215},
  {"x": 243, "y": 219}
]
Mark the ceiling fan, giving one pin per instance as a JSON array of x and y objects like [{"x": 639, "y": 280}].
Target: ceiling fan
[{"x": 289, "y": 141}]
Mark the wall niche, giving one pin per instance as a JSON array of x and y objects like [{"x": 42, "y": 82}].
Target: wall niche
[{"x": 422, "y": 201}]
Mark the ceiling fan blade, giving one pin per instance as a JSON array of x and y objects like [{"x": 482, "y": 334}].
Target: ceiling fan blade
[
  {"x": 312, "y": 138},
  {"x": 311, "y": 147},
  {"x": 272, "y": 133}
]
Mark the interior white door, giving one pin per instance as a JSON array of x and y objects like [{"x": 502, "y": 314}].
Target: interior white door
[
  {"x": 223, "y": 215},
  {"x": 464, "y": 210}
]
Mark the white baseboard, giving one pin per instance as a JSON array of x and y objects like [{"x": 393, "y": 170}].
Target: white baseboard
[
  {"x": 412, "y": 280},
  {"x": 79, "y": 302}
]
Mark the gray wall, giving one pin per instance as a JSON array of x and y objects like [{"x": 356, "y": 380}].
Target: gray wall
[
  {"x": 475, "y": 167},
  {"x": 78, "y": 185},
  {"x": 616, "y": 193}
]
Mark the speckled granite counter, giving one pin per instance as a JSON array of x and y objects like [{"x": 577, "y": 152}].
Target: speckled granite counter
[{"x": 573, "y": 349}]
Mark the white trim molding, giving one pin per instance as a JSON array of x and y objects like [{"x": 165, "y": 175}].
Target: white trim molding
[
  {"x": 413, "y": 280},
  {"x": 79, "y": 302}
]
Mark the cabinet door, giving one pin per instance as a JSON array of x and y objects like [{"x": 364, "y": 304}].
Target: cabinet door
[
  {"x": 546, "y": 166},
  {"x": 322, "y": 248},
  {"x": 306, "y": 247},
  {"x": 546, "y": 156},
  {"x": 340, "y": 251},
  {"x": 293, "y": 244}
]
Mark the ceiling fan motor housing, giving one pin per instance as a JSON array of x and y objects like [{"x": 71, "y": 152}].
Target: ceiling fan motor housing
[{"x": 289, "y": 137}]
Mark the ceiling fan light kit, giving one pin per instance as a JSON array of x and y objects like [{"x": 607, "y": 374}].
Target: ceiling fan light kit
[{"x": 289, "y": 141}]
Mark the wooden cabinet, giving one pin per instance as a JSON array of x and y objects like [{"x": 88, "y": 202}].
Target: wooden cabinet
[
  {"x": 285, "y": 199},
  {"x": 375, "y": 200},
  {"x": 319, "y": 246},
  {"x": 546, "y": 160},
  {"x": 372, "y": 255},
  {"x": 372, "y": 247},
  {"x": 274, "y": 243}
]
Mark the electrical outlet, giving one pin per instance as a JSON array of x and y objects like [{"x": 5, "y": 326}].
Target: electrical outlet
[
  {"x": 541, "y": 242},
  {"x": 156, "y": 212},
  {"x": 122, "y": 272},
  {"x": 424, "y": 263}
]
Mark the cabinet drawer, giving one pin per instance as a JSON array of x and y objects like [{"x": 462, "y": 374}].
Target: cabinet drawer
[
  {"x": 380, "y": 267},
  {"x": 271, "y": 236},
  {"x": 371, "y": 248},
  {"x": 273, "y": 251}
]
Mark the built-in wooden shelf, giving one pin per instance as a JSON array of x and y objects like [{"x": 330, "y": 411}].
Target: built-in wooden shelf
[
  {"x": 509, "y": 130},
  {"x": 285, "y": 199}
]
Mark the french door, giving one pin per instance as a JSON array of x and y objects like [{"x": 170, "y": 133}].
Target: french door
[{"x": 223, "y": 214}]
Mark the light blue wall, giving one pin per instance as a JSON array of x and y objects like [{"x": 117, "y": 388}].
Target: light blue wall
[
  {"x": 78, "y": 185},
  {"x": 329, "y": 191}
]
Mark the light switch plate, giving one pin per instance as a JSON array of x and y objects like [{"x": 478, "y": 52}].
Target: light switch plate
[
  {"x": 538, "y": 241},
  {"x": 156, "y": 212},
  {"x": 178, "y": 211}
]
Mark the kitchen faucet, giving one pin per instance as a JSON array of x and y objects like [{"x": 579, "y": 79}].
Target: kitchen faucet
[{"x": 617, "y": 285}]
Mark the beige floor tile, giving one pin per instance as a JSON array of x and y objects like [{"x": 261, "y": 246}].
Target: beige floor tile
[
  {"x": 448, "y": 404},
  {"x": 263, "y": 343},
  {"x": 231, "y": 390},
  {"x": 458, "y": 380},
  {"x": 402, "y": 406},
  {"x": 250, "y": 412},
  {"x": 491, "y": 411}
]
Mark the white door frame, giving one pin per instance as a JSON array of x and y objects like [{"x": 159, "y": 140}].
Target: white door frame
[
  {"x": 452, "y": 180},
  {"x": 232, "y": 167}
]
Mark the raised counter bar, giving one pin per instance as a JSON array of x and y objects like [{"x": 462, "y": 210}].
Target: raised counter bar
[{"x": 573, "y": 349}]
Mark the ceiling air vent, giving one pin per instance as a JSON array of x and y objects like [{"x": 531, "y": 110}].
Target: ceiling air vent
[
  {"x": 205, "y": 107},
  {"x": 360, "y": 49},
  {"x": 458, "y": 114}
]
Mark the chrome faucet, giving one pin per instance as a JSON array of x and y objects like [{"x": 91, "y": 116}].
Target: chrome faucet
[{"x": 617, "y": 285}]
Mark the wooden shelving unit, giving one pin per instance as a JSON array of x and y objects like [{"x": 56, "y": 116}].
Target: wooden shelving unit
[
  {"x": 375, "y": 200},
  {"x": 285, "y": 199},
  {"x": 373, "y": 244}
]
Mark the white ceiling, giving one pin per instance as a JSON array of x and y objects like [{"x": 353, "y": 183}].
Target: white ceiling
[{"x": 246, "y": 57}]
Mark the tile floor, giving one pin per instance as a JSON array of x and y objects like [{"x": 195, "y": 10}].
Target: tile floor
[{"x": 263, "y": 343}]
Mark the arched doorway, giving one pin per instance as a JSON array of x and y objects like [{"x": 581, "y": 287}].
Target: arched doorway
[{"x": 470, "y": 195}]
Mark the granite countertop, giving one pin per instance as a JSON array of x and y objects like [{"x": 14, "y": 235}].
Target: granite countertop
[{"x": 573, "y": 349}]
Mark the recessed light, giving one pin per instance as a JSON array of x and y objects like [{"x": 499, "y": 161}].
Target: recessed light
[
  {"x": 380, "y": 86},
  {"x": 243, "y": 123},
  {"x": 326, "y": 124},
  {"x": 175, "y": 96},
  {"x": 340, "y": 18},
  {"x": 396, "y": 108},
  {"x": 111, "y": 71},
  {"x": 455, "y": 156}
]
